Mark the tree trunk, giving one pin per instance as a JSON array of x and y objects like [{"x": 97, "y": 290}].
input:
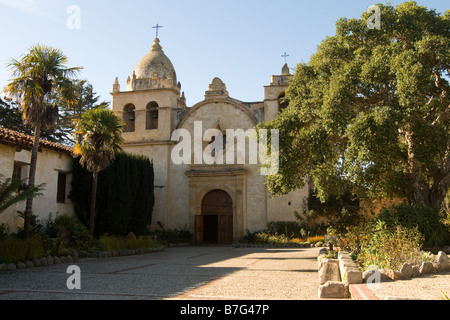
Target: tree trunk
[
  {"x": 31, "y": 181},
  {"x": 93, "y": 202},
  {"x": 419, "y": 191}
]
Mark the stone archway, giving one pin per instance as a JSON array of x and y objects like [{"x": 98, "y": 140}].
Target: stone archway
[{"x": 215, "y": 224}]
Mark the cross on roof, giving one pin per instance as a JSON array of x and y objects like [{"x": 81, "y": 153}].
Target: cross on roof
[
  {"x": 285, "y": 55},
  {"x": 157, "y": 29}
]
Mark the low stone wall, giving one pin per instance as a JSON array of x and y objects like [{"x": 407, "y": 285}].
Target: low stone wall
[
  {"x": 338, "y": 276},
  {"x": 335, "y": 275},
  {"x": 73, "y": 257},
  {"x": 439, "y": 263}
]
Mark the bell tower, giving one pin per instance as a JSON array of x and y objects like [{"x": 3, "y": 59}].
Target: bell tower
[
  {"x": 152, "y": 98},
  {"x": 274, "y": 94}
]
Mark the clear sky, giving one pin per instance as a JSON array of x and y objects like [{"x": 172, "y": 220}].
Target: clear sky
[{"x": 239, "y": 41}]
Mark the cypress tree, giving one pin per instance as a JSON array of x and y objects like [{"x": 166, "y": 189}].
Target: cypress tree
[{"x": 125, "y": 195}]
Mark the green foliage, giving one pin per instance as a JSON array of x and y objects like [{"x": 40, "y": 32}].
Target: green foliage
[
  {"x": 13, "y": 248},
  {"x": 98, "y": 139},
  {"x": 84, "y": 99},
  {"x": 112, "y": 243},
  {"x": 125, "y": 195},
  {"x": 4, "y": 230},
  {"x": 445, "y": 296},
  {"x": 289, "y": 228},
  {"x": 73, "y": 234},
  {"x": 397, "y": 235},
  {"x": 332, "y": 254},
  {"x": 99, "y": 135},
  {"x": 168, "y": 236},
  {"x": 352, "y": 238},
  {"x": 37, "y": 77},
  {"x": 429, "y": 221},
  {"x": 391, "y": 248},
  {"x": 264, "y": 238},
  {"x": 9, "y": 194},
  {"x": 368, "y": 114}
]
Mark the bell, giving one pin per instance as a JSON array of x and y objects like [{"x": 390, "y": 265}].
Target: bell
[{"x": 132, "y": 118}]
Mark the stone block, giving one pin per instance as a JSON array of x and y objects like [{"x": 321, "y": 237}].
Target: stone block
[
  {"x": 11, "y": 267},
  {"x": 407, "y": 270},
  {"x": 442, "y": 263},
  {"x": 352, "y": 276},
  {"x": 75, "y": 255},
  {"x": 372, "y": 276},
  {"x": 329, "y": 271},
  {"x": 334, "y": 290},
  {"x": 415, "y": 271},
  {"x": 37, "y": 262},
  {"x": 426, "y": 268},
  {"x": 21, "y": 265},
  {"x": 43, "y": 261},
  {"x": 384, "y": 275},
  {"x": 394, "y": 274}
]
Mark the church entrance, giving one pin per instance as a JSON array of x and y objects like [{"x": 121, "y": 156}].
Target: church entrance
[{"x": 215, "y": 224}]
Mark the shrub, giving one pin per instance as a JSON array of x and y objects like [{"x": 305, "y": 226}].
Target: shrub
[
  {"x": 125, "y": 196},
  {"x": 391, "y": 247},
  {"x": 4, "y": 230},
  {"x": 13, "y": 249},
  {"x": 352, "y": 239},
  {"x": 112, "y": 243},
  {"x": 264, "y": 237},
  {"x": 166, "y": 236},
  {"x": 316, "y": 239},
  {"x": 288, "y": 228},
  {"x": 429, "y": 221},
  {"x": 72, "y": 233}
]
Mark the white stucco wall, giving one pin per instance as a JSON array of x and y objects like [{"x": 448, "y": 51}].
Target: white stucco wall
[{"x": 49, "y": 163}]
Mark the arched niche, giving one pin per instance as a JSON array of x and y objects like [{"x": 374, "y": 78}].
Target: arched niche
[
  {"x": 152, "y": 116},
  {"x": 129, "y": 117}
]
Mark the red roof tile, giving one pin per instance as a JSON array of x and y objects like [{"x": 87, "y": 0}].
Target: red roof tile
[{"x": 25, "y": 141}]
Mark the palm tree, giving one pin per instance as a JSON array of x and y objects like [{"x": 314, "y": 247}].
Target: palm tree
[
  {"x": 10, "y": 196},
  {"x": 38, "y": 75},
  {"x": 98, "y": 134}
]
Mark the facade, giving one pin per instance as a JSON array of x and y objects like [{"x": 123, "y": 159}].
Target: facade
[
  {"x": 216, "y": 202},
  {"x": 54, "y": 167}
]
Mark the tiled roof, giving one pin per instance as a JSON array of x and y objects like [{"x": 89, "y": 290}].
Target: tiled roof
[{"x": 21, "y": 140}]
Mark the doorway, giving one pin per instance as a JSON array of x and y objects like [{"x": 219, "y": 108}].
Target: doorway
[{"x": 215, "y": 224}]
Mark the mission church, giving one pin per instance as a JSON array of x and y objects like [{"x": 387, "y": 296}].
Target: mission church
[{"x": 216, "y": 202}]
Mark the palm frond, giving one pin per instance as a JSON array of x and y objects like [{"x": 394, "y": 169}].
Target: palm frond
[{"x": 9, "y": 195}]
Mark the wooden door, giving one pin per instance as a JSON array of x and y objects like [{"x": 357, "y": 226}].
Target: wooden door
[
  {"x": 199, "y": 225},
  {"x": 225, "y": 229},
  {"x": 219, "y": 203}
]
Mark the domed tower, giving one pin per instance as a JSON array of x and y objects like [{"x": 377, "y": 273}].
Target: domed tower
[
  {"x": 274, "y": 101},
  {"x": 150, "y": 104}
]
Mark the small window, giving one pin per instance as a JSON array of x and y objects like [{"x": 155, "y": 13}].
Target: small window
[
  {"x": 61, "y": 189},
  {"x": 18, "y": 174},
  {"x": 17, "y": 171}
]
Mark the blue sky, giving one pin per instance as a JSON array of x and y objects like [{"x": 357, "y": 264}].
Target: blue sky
[{"x": 240, "y": 41}]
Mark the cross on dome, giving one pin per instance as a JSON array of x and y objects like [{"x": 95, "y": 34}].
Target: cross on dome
[{"x": 157, "y": 29}]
